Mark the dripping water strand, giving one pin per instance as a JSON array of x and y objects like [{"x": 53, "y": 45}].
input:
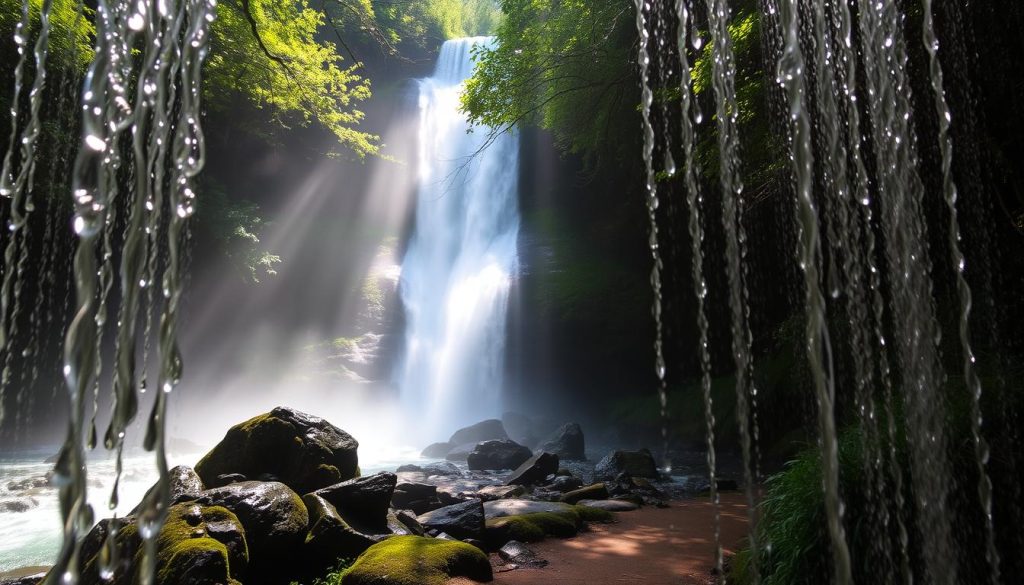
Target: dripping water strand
[
  {"x": 651, "y": 196},
  {"x": 723, "y": 80},
  {"x": 791, "y": 75},
  {"x": 971, "y": 380},
  {"x": 189, "y": 158},
  {"x": 14, "y": 186},
  {"x": 694, "y": 202}
]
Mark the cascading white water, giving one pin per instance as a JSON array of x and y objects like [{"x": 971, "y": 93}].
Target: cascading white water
[{"x": 461, "y": 258}]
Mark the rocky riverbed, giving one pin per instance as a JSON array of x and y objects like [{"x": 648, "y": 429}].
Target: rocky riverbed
[{"x": 282, "y": 499}]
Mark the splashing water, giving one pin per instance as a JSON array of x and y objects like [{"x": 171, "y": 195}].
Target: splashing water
[{"x": 462, "y": 256}]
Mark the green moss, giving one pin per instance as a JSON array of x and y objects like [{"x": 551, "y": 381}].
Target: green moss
[
  {"x": 588, "y": 514},
  {"x": 187, "y": 553},
  {"x": 416, "y": 560},
  {"x": 532, "y": 527}
]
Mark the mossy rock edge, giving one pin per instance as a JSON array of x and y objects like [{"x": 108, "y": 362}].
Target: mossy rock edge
[{"x": 418, "y": 560}]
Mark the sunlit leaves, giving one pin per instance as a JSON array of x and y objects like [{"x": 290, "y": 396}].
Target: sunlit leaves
[
  {"x": 564, "y": 65},
  {"x": 294, "y": 75}
]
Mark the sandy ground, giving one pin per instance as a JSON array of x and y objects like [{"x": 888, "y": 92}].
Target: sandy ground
[{"x": 650, "y": 546}]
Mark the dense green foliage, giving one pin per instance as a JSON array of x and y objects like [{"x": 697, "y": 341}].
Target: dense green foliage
[
  {"x": 269, "y": 52},
  {"x": 565, "y": 66},
  {"x": 415, "y": 29},
  {"x": 70, "y": 44}
]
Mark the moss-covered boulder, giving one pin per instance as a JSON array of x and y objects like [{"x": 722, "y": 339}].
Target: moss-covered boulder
[
  {"x": 301, "y": 451},
  {"x": 531, "y": 527},
  {"x": 200, "y": 546},
  {"x": 274, "y": 517},
  {"x": 417, "y": 560},
  {"x": 197, "y": 545},
  {"x": 597, "y": 491}
]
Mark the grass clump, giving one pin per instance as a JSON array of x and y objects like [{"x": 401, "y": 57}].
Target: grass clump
[{"x": 415, "y": 560}]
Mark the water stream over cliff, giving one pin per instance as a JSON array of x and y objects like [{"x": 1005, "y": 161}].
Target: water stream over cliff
[{"x": 461, "y": 258}]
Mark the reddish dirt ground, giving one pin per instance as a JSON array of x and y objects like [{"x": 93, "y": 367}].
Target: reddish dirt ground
[{"x": 650, "y": 546}]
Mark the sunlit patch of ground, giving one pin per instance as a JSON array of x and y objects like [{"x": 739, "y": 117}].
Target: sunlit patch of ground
[{"x": 651, "y": 546}]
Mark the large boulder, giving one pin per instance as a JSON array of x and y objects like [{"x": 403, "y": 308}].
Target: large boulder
[
  {"x": 416, "y": 560},
  {"x": 463, "y": 520},
  {"x": 197, "y": 545},
  {"x": 634, "y": 463},
  {"x": 330, "y": 537},
  {"x": 460, "y": 452},
  {"x": 437, "y": 450},
  {"x": 184, "y": 485},
  {"x": 274, "y": 517},
  {"x": 567, "y": 442},
  {"x": 200, "y": 546},
  {"x": 482, "y": 431},
  {"x": 363, "y": 501},
  {"x": 415, "y": 496},
  {"x": 498, "y": 454},
  {"x": 534, "y": 470},
  {"x": 301, "y": 451}
]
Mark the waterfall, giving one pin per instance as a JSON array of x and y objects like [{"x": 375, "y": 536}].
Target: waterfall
[{"x": 461, "y": 257}]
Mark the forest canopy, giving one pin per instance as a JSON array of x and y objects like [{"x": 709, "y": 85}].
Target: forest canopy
[{"x": 566, "y": 66}]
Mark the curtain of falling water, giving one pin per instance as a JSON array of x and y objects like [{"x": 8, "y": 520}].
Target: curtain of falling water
[
  {"x": 163, "y": 123},
  {"x": 723, "y": 80},
  {"x": 971, "y": 380},
  {"x": 864, "y": 303},
  {"x": 914, "y": 324},
  {"x": 792, "y": 72},
  {"x": 695, "y": 203},
  {"x": 651, "y": 190},
  {"x": 16, "y": 185}
]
